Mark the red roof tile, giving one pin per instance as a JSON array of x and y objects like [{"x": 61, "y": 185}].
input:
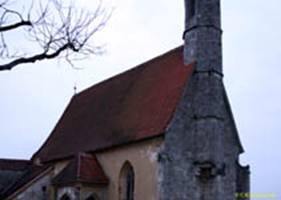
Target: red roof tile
[
  {"x": 132, "y": 106},
  {"x": 83, "y": 169}
]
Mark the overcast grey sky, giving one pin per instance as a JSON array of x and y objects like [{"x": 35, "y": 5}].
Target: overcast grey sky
[{"x": 33, "y": 97}]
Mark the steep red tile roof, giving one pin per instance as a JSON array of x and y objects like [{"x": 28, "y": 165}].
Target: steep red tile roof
[
  {"x": 132, "y": 106},
  {"x": 83, "y": 169},
  {"x": 13, "y": 165}
]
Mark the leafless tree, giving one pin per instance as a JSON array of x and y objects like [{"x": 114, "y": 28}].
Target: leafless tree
[{"x": 56, "y": 30}]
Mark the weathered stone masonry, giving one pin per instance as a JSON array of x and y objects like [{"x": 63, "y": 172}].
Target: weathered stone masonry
[{"x": 200, "y": 160}]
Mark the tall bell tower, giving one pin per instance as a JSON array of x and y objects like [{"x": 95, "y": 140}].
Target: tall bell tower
[
  {"x": 203, "y": 35},
  {"x": 200, "y": 158}
]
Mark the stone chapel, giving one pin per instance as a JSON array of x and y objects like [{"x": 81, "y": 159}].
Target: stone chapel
[{"x": 163, "y": 130}]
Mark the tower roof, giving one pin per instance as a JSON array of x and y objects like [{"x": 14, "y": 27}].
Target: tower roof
[{"x": 129, "y": 107}]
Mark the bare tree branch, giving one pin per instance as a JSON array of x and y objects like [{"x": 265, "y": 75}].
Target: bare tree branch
[
  {"x": 35, "y": 58},
  {"x": 14, "y": 26},
  {"x": 60, "y": 31}
]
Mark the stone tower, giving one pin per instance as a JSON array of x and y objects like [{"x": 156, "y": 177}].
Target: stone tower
[
  {"x": 202, "y": 35},
  {"x": 200, "y": 159}
]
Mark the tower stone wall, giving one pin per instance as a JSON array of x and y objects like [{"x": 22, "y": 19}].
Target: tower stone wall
[
  {"x": 203, "y": 35},
  {"x": 202, "y": 147}
]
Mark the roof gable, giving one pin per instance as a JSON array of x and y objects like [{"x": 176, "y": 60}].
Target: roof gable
[{"x": 129, "y": 107}]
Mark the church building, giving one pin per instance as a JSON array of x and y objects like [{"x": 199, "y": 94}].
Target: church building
[{"x": 162, "y": 130}]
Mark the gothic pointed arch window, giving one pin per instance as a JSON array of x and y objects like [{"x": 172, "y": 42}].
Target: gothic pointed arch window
[{"x": 126, "y": 182}]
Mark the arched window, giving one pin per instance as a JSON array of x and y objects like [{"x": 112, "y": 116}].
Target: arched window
[
  {"x": 65, "y": 197},
  {"x": 126, "y": 182}
]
